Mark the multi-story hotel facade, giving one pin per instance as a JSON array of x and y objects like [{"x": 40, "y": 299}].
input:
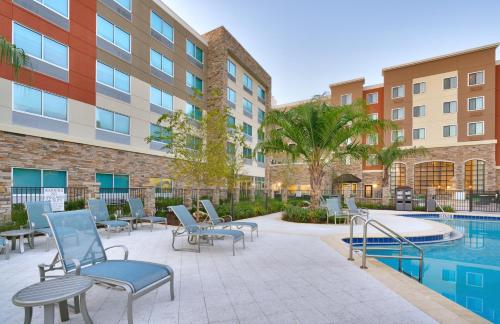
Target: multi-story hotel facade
[
  {"x": 448, "y": 104},
  {"x": 100, "y": 74}
]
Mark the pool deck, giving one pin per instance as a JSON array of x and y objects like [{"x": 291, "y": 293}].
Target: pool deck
[{"x": 292, "y": 273}]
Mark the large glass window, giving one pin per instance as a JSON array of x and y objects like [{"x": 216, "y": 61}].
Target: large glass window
[
  {"x": 194, "y": 112},
  {"x": 397, "y": 175},
  {"x": 476, "y": 78},
  {"x": 247, "y": 107},
  {"x": 476, "y": 103},
  {"x": 38, "y": 178},
  {"x": 162, "y": 63},
  {"x": 398, "y": 114},
  {"x": 114, "y": 78},
  {"x": 372, "y": 98},
  {"x": 113, "y": 34},
  {"x": 112, "y": 121},
  {"x": 450, "y": 83},
  {"x": 398, "y": 135},
  {"x": 59, "y": 6},
  {"x": 262, "y": 115},
  {"x": 261, "y": 93},
  {"x": 449, "y": 107},
  {"x": 161, "y": 26},
  {"x": 231, "y": 121},
  {"x": 125, "y": 4},
  {"x": 231, "y": 95},
  {"x": 39, "y": 102},
  {"x": 193, "y": 82},
  {"x": 231, "y": 68},
  {"x": 194, "y": 51},
  {"x": 260, "y": 157},
  {"x": 398, "y": 92},
  {"x": 247, "y": 129},
  {"x": 346, "y": 99},
  {"x": 161, "y": 98},
  {"x": 474, "y": 175},
  {"x": 160, "y": 134},
  {"x": 41, "y": 47},
  {"x": 194, "y": 143},
  {"x": 247, "y": 82},
  {"x": 475, "y": 128},
  {"x": 110, "y": 182},
  {"x": 247, "y": 153},
  {"x": 435, "y": 174}
]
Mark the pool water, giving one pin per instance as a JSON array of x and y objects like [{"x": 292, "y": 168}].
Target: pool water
[{"x": 467, "y": 270}]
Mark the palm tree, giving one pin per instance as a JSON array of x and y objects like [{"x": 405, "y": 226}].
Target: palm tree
[
  {"x": 13, "y": 56},
  {"x": 386, "y": 157},
  {"x": 318, "y": 134}
]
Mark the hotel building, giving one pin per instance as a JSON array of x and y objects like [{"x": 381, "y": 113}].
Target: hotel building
[
  {"x": 100, "y": 74},
  {"x": 448, "y": 104}
]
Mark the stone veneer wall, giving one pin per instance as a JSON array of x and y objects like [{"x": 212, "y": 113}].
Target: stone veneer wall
[{"x": 80, "y": 161}]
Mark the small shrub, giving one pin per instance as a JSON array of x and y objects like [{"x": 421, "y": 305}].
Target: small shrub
[
  {"x": 163, "y": 203},
  {"x": 74, "y": 204},
  {"x": 448, "y": 209},
  {"x": 19, "y": 215},
  {"x": 304, "y": 215},
  {"x": 419, "y": 208}
]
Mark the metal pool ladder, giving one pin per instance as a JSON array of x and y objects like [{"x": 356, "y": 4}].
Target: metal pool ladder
[{"x": 399, "y": 240}]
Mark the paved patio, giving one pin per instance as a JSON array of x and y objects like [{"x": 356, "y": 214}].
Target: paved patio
[{"x": 287, "y": 275}]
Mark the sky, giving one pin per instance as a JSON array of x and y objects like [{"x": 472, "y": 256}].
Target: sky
[{"x": 305, "y": 45}]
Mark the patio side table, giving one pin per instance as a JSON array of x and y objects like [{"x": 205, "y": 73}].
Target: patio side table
[
  {"x": 21, "y": 234},
  {"x": 50, "y": 292}
]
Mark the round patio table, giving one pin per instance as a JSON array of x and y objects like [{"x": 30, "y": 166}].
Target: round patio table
[
  {"x": 48, "y": 293},
  {"x": 20, "y": 233}
]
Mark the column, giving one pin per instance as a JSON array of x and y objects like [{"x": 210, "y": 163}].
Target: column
[
  {"x": 149, "y": 200},
  {"x": 187, "y": 198},
  {"x": 92, "y": 191}
]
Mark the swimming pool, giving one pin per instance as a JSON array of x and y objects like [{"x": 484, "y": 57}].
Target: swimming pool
[{"x": 466, "y": 270}]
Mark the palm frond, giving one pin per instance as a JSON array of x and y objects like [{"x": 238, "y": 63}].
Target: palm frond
[{"x": 13, "y": 56}]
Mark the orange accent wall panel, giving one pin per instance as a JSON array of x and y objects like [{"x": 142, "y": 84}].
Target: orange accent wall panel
[{"x": 81, "y": 40}]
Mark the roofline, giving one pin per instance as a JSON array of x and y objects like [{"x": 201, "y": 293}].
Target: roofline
[
  {"x": 347, "y": 82},
  {"x": 374, "y": 86},
  {"x": 181, "y": 21},
  {"x": 440, "y": 57},
  {"x": 299, "y": 102}
]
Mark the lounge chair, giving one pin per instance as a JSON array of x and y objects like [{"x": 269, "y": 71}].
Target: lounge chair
[
  {"x": 354, "y": 210},
  {"x": 138, "y": 213},
  {"x": 334, "y": 209},
  {"x": 4, "y": 246},
  {"x": 38, "y": 222},
  {"x": 82, "y": 253},
  {"x": 191, "y": 229},
  {"x": 218, "y": 221},
  {"x": 99, "y": 210}
]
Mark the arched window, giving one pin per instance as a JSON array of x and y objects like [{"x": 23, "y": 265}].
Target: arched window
[
  {"x": 397, "y": 175},
  {"x": 474, "y": 175},
  {"x": 435, "y": 174}
]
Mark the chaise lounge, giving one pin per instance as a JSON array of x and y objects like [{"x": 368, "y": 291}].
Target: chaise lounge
[
  {"x": 334, "y": 209},
  {"x": 139, "y": 214},
  {"x": 99, "y": 210},
  {"x": 37, "y": 222}
]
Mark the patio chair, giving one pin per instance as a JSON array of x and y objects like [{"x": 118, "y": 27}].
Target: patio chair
[
  {"x": 218, "y": 221},
  {"x": 354, "y": 210},
  {"x": 191, "y": 229},
  {"x": 4, "y": 246},
  {"x": 82, "y": 253},
  {"x": 99, "y": 210},
  {"x": 37, "y": 222},
  {"x": 334, "y": 209},
  {"x": 138, "y": 213}
]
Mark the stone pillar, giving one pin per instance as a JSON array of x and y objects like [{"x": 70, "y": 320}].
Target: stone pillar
[
  {"x": 5, "y": 203},
  {"x": 216, "y": 197},
  {"x": 149, "y": 200},
  {"x": 187, "y": 198},
  {"x": 386, "y": 196},
  {"x": 92, "y": 191},
  {"x": 252, "y": 193},
  {"x": 236, "y": 195},
  {"x": 284, "y": 195}
]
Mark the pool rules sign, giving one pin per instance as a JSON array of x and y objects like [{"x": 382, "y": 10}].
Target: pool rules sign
[{"x": 56, "y": 198}]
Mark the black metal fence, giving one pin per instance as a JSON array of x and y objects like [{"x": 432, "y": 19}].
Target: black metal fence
[
  {"x": 484, "y": 201},
  {"x": 21, "y": 195}
]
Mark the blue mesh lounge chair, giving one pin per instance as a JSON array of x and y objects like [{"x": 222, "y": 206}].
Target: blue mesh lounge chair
[
  {"x": 334, "y": 209},
  {"x": 37, "y": 221},
  {"x": 83, "y": 254},
  {"x": 218, "y": 221},
  {"x": 4, "y": 246},
  {"x": 191, "y": 229},
  {"x": 137, "y": 212},
  {"x": 354, "y": 210},
  {"x": 100, "y": 212}
]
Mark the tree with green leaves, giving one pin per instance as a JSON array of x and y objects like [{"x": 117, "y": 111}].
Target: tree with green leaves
[
  {"x": 319, "y": 134},
  {"x": 13, "y": 56}
]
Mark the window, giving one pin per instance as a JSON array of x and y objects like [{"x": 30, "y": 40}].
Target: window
[
  {"x": 37, "y": 178},
  {"x": 372, "y": 139},
  {"x": 247, "y": 107},
  {"x": 160, "y": 134},
  {"x": 124, "y": 3},
  {"x": 372, "y": 98},
  {"x": 113, "y": 34},
  {"x": 435, "y": 174},
  {"x": 419, "y": 133},
  {"x": 476, "y": 103},
  {"x": 111, "y": 121},
  {"x": 449, "y": 131},
  {"x": 372, "y": 160},
  {"x": 247, "y": 153},
  {"x": 398, "y": 135},
  {"x": 247, "y": 82},
  {"x": 194, "y": 51},
  {"x": 194, "y": 143},
  {"x": 449, "y": 275},
  {"x": 112, "y": 182},
  {"x": 193, "y": 82},
  {"x": 347, "y": 160},
  {"x": 419, "y": 111},
  {"x": 247, "y": 129},
  {"x": 231, "y": 95},
  {"x": 260, "y": 135},
  {"x": 260, "y": 157},
  {"x": 59, "y": 6},
  {"x": 112, "y": 77},
  {"x": 231, "y": 121},
  {"x": 161, "y": 98},
  {"x": 397, "y": 175},
  {"x": 419, "y": 88},
  {"x": 373, "y": 116},
  {"x": 398, "y": 114},
  {"x": 475, "y": 175},
  {"x": 346, "y": 99},
  {"x": 34, "y": 101},
  {"x": 231, "y": 149},
  {"x": 449, "y": 107},
  {"x": 450, "y": 83},
  {"x": 161, "y": 26},
  {"x": 261, "y": 116},
  {"x": 475, "y": 128},
  {"x": 194, "y": 112},
  {"x": 231, "y": 68},
  {"x": 368, "y": 191},
  {"x": 261, "y": 93},
  {"x": 161, "y": 62},
  {"x": 398, "y": 92},
  {"x": 41, "y": 47},
  {"x": 476, "y": 78}
]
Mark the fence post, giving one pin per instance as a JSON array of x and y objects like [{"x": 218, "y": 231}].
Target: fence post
[
  {"x": 216, "y": 196},
  {"x": 266, "y": 202},
  {"x": 188, "y": 199},
  {"x": 149, "y": 200},
  {"x": 92, "y": 191},
  {"x": 237, "y": 194},
  {"x": 6, "y": 202},
  {"x": 470, "y": 201},
  {"x": 232, "y": 202},
  {"x": 252, "y": 194}
]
